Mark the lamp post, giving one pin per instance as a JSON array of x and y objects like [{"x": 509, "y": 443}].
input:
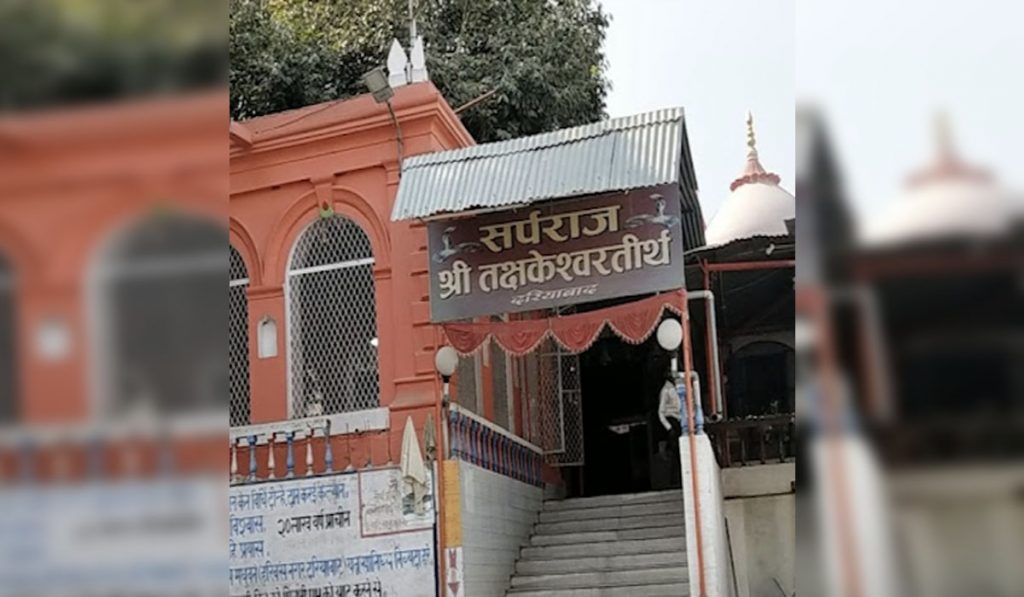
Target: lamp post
[
  {"x": 670, "y": 336},
  {"x": 376, "y": 83},
  {"x": 445, "y": 361}
]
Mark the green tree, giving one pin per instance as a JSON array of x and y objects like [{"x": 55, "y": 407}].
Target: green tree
[
  {"x": 65, "y": 52},
  {"x": 542, "y": 59}
]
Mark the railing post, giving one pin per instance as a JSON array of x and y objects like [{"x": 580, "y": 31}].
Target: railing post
[
  {"x": 271, "y": 459},
  {"x": 290, "y": 458},
  {"x": 252, "y": 457},
  {"x": 309, "y": 453},
  {"x": 234, "y": 461},
  {"x": 453, "y": 432},
  {"x": 328, "y": 452},
  {"x": 26, "y": 461}
]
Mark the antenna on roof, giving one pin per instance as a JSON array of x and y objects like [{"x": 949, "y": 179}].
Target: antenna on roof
[{"x": 412, "y": 22}]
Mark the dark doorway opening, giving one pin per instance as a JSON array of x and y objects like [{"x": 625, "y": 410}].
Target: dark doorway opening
[
  {"x": 760, "y": 380},
  {"x": 627, "y": 449}
]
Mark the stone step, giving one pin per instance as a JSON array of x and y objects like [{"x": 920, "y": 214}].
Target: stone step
[
  {"x": 615, "y": 511},
  {"x": 676, "y": 544},
  {"x": 616, "y": 578},
  {"x": 613, "y": 500},
  {"x": 667, "y": 530},
  {"x": 608, "y": 524},
  {"x": 679, "y": 589},
  {"x": 594, "y": 563}
]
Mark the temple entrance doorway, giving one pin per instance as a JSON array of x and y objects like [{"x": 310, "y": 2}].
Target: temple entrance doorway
[{"x": 627, "y": 450}]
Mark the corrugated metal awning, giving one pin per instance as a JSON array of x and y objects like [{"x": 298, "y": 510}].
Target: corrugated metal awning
[{"x": 621, "y": 153}]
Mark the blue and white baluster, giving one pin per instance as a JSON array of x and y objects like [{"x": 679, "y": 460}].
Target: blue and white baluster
[
  {"x": 252, "y": 458},
  {"x": 290, "y": 460},
  {"x": 328, "y": 452}
]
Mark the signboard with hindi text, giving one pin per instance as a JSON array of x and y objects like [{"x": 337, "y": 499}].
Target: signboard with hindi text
[
  {"x": 556, "y": 253},
  {"x": 346, "y": 535}
]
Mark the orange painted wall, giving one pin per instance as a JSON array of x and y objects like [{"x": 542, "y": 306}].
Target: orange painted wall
[{"x": 283, "y": 169}]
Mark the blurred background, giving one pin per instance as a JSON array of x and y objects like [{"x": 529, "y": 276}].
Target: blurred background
[
  {"x": 910, "y": 318},
  {"x": 113, "y": 268}
]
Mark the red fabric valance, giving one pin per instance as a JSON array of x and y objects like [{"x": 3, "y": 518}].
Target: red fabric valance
[{"x": 633, "y": 322}]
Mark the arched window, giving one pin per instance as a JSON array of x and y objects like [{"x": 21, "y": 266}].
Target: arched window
[
  {"x": 332, "y": 320},
  {"x": 158, "y": 291},
  {"x": 238, "y": 340},
  {"x": 8, "y": 358}
]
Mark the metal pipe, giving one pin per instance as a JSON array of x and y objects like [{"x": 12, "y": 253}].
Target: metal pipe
[
  {"x": 692, "y": 438},
  {"x": 441, "y": 415},
  {"x": 712, "y": 326},
  {"x": 710, "y": 342},
  {"x": 749, "y": 266}
]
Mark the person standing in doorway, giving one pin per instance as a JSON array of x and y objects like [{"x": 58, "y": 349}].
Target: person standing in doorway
[{"x": 670, "y": 415}]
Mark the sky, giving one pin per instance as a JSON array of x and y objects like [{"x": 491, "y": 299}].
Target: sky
[
  {"x": 879, "y": 71},
  {"x": 717, "y": 59}
]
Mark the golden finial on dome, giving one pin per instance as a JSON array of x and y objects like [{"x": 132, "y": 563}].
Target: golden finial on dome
[
  {"x": 751, "y": 138},
  {"x": 753, "y": 171}
]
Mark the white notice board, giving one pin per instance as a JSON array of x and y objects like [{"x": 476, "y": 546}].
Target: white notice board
[{"x": 347, "y": 535}]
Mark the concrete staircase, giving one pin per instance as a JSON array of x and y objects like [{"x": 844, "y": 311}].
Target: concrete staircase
[{"x": 610, "y": 546}]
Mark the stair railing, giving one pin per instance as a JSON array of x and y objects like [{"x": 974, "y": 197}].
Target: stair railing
[{"x": 478, "y": 441}]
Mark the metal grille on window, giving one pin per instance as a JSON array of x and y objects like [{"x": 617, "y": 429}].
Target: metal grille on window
[
  {"x": 152, "y": 355},
  {"x": 8, "y": 367},
  {"x": 332, "y": 320},
  {"x": 531, "y": 398},
  {"x": 238, "y": 341},
  {"x": 466, "y": 394},
  {"x": 499, "y": 385},
  {"x": 560, "y": 412}
]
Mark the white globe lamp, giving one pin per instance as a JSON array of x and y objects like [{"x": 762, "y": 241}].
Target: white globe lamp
[
  {"x": 445, "y": 361},
  {"x": 670, "y": 335}
]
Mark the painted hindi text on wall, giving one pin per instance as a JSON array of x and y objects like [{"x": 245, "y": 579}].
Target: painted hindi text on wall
[
  {"x": 310, "y": 537},
  {"x": 556, "y": 253}
]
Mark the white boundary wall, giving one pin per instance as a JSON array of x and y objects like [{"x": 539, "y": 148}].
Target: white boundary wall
[{"x": 498, "y": 514}]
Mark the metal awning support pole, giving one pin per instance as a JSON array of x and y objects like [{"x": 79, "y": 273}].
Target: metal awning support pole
[
  {"x": 691, "y": 431},
  {"x": 749, "y": 266}
]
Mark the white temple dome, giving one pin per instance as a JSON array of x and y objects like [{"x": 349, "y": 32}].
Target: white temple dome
[
  {"x": 946, "y": 200},
  {"x": 756, "y": 205}
]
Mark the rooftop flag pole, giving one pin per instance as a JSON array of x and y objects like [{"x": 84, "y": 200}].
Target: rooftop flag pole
[{"x": 412, "y": 22}]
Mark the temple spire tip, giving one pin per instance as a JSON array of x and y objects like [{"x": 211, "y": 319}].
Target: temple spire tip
[{"x": 751, "y": 137}]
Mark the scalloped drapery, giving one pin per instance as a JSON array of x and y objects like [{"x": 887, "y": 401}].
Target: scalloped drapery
[{"x": 632, "y": 322}]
